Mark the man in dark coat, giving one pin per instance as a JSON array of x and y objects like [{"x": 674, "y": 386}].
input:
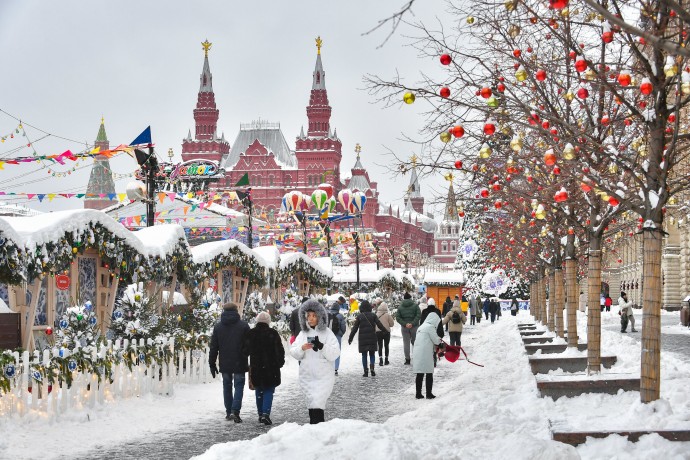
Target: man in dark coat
[
  {"x": 365, "y": 322},
  {"x": 265, "y": 350},
  {"x": 447, "y": 305},
  {"x": 227, "y": 340},
  {"x": 408, "y": 317},
  {"x": 493, "y": 309}
]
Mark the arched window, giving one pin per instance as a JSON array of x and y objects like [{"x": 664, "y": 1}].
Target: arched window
[
  {"x": 444, "y": 247},
  {"x": 287, "y": 181},
  {"x": 270, "y": 180},
  {"x": 453, "y": 248}
]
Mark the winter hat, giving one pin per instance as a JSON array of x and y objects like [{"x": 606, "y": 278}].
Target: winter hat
[
  {"x": 263, "y": 317},
  {"x": 407, "y": 296},
  {"x": 431, "y": 301}
]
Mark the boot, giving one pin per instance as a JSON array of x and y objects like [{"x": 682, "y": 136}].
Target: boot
[
  {"x": 407, "y": 361},
  {"x": 429, "y": 385},
  {"x": 319, "y": 415},
  {"x": 366, "y": 372},
  {"x": 386, "y": 361},
  {"x": 418, "y": 383},
  {"x": 312, "y": 417},
  {"x": 235, "y": 417},
  {"x": 380, "y": 361},
  {"x": 373, "y": 372},
  {"x": 266, "y": 419}
]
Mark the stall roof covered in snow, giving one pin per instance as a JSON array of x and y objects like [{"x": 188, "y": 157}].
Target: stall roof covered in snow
[
  {"x": 444, "y": 278},
  {"x": 161, "y": 240},
  {"x": 292, "y": 258},
  {"x": 326, "y": 265},
  {"x": 206, "y": 252},
  {"x": 349, "y": 275}
]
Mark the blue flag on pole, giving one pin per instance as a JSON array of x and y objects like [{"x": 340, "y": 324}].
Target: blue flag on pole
[{"x": 143, "y": 138}]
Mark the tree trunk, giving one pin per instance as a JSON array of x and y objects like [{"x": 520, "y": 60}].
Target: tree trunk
[
  {"x": 558, "y": 301},
  {"x": 552, "y": 301},
  {"x": 542, "y": 300},
  {"x": 573, "y": 298},
  {"x": 593, "y": 308},
  {"x": 650, "y": 375}
]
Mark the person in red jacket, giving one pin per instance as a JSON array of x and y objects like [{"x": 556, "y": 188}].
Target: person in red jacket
[{"x": 608, "y": 303}]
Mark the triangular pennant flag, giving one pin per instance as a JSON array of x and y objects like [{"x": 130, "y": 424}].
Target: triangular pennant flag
[
  {"x": 121, "y": 196},
  {"x": 81, "y": 195},
  {"x": 172, "y": 196},
  {"x": 161, "y": 197},
  {"x": 41, "y": 196},
  {"x": 143, "y": 138},
  {"x": 185, "y": 209},
  {"x": 111, "y": 196},
  {"x": 244, "y": 180},
  {"x": 137, "y": 219},
  {"x": 30, "y": 195},
  {"x": 51, "y": 196}
]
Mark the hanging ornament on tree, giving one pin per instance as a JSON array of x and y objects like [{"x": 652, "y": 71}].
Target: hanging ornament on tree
[
  {"x": 485, "y": 92},
  {"x": 624, "y": 78},
  {"x": 521, "y": 74},
  {"x": 540, "y": 75},
  {"x": 489, "y": 127},
  {"x": 445, "y": 137},
  {"x": 549, "y": 158},
  {"x": 685, "y": 85},
  {"x": 408, "y": 98},
  {"x": 445, "y": 59},
  {"x": 485, "y": 151},
  {"x": 583, "y": 93},
  {"x": 458, "y": 131},
  {"x": 646, "y": 87},
  {"x": 606, "y": 34},
  {"x": 569, "y": 151},
  {"x": 558, "y": 4},
  {"x": 580, "y": 64},
  {"x": 670, "y": 68},
  {"x": 445, "y": 92},
  {"x": 561, "y": 195},
  {"x": 458, "y": 164}
]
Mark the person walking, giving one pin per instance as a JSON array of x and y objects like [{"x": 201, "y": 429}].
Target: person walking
[
  {"x": 607, "y": 303},
  {"x": 478, "y": 312},
  {"x": 493, "y": 309},
  {"x": 623, "y": 307},
  {"x": 408, "y": 317},
  {"x": 473, "y": 310},
  {"x": 424, "y": 350},
  {"x": 383, "y": 336},
  {"x": 487, "y": 307},
  {"x": 431, "y": 309},
  {"x": 341, "y": 326},
  {"x": 366, "y": 323},
  {"x": 317, "y": 349},
  {"x": 227, "y": 340},
  {"x": 455, "y": 319},
  {"x": 447, "y": 305},
  {"x": 266, "y": 355},
  {"x": 514, "y": 306}
]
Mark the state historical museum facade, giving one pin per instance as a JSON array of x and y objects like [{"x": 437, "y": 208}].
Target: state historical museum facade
[{"x": 261, "y": 151}]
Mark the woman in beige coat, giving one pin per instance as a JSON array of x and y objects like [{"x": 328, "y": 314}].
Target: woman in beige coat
[
  {"x": 383, "y": 337},
  {"x": 455, "y": 318}
]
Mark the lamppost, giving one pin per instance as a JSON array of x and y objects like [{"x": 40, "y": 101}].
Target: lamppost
[{"x": 376, "y": 248}]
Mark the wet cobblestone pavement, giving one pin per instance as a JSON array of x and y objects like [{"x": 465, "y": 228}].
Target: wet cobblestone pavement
[
  {"x": 372, "y": 399},
  {"x": 676, "y": 343}
]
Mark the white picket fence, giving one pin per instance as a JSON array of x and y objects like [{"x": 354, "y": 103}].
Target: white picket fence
[{"x": 28, "y": 395}]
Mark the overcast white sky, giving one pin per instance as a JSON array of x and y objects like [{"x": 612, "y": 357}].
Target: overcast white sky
[{"x": 137, "y": 63}]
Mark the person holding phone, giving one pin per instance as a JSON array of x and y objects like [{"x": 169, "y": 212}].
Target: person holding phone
[{"x": 316, "y": 347}]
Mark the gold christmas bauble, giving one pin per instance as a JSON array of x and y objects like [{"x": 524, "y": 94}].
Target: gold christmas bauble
[
  {"x": 569, "y": 152},
  {"x": 409, "y": 98},
  {"x": 516, "y": 144},
  {"x": 470, "y": 19},
  {"x": 521, "y": 75},
  {"x": 485, "y": 151}
]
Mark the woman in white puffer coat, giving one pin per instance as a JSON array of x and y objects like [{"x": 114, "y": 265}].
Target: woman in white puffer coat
[{"x": 316, "y": 347}]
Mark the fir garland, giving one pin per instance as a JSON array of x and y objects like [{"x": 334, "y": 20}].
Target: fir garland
[{"x": 315, "y": 277}]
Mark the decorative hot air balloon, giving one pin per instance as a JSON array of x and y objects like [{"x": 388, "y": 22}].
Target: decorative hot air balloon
[
  {"x": 284, "y": 204},
  {"x": 319, "y": 198},
  {"x": 331, "y": 204},
  {"x": 358, "y": 201},
  {"x": 345, "y": 198},
  {"x": 295, "y": 200},
  {"x": 328, "y": 188}
]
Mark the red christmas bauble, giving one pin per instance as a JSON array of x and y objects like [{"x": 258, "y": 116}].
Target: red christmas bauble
[
  {"x": 489, "y": 128},
  {"x": 458, "y": 131},
  {"x": 484, "y": 192},
  {"x": 445, "y": 59},
  {"x": 580, "y": 64},
  {"x": 607, "y": 37},
  {"x": 485, "y": 92},
  {"x": 500, "y": 87},
  {"x": 445, "y": 92},
  {"x": 49, "y": 330},
  {"x": 624, "y": 79},
  {"x": 583, "y": 93},
  {"x": 646, "y": 87},
  {"x": 613, "y": 201},
  {"x": 458, "y": 164},
  {"x": 550, "y": 158},
  {"x": 558, "y": 4},
  {"x": 540, "y": 75}
]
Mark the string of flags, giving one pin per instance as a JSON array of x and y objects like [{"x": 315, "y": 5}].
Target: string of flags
[{"x": 161, "y": 196}]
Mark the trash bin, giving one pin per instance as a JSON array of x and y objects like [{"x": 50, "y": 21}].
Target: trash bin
[{"x": 685, "y": 312}]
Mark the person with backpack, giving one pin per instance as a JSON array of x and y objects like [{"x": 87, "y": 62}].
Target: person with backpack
[
  {"x": 366, "y": 323},
  {"x": 227, "y": 340},
  {"x": 337, "y": 324},
  {"x": 408, "y": 317},
  {"x": 514, "y": 307},
  {"x": 264, "y": 348},
  {"x": 447, "y": 305},
  {"x": 455, "y": 319},
  {"x": 383, "y": 336}
]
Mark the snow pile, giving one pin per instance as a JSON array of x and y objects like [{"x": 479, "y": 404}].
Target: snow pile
[{"x": 160, "y": 240}]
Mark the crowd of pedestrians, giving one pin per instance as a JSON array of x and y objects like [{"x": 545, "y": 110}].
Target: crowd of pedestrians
[{"x": 240, "y": 353}]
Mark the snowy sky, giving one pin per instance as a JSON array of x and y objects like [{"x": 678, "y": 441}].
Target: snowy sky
[{"x": 67, "y": 63}]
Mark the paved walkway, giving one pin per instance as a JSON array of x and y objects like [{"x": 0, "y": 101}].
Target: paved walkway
[
  {"x": 677, "y": 343},
  {"x": 354, "y": 397}
]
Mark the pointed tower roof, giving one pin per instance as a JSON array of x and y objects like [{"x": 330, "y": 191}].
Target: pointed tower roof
[
  {"x": 451, "y": 211},
  {"x": 206, "y": 85},
  {"x": 319, "y": 75},
  {"x": 413, "y": 190},
  {"x": 102, "y": 136},
  {"x": 360, "y": 178}
]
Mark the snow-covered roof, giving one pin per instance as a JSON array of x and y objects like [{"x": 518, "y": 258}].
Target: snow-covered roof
[
  {"x": 50, "y": 227},
  {"x": 326, "y": 265},
  {"x": 206, "y": 252},
  {"x": 270, "y": 254},
  {"x": 184, "y": 211},
  {"x": 444, "y": 277},
  {"x": 160, "y": 240},
  {"x": 269, "y": 135},
  {"x": 7, "y": 209},
  {"x": 292, "y": 258},
  {"x": 349, "y": 275},
  {"x": 408, "y": 215}
]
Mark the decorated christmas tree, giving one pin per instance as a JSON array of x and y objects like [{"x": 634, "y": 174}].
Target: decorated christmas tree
[
  {"x": 135, "y": 317},
  {"x": 254, "y": 304},
  {"x": 192, "y": 326}
]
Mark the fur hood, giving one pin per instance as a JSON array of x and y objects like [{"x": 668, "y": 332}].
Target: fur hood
[{"x": 320, "y": 310}]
